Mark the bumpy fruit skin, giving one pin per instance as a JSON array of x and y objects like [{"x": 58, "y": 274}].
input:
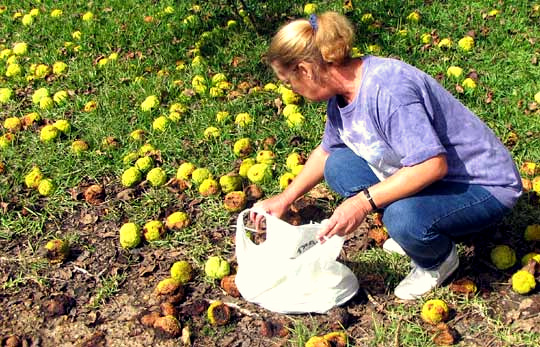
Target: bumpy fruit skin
[
  {"x": 218, "y": 313},
  {"x": 532, "y": 232},
  {"x": 216, "y": 268},
  {"x": 137, "y": 134},
  {"x": 57, "y": 250},
  {"x": 48, "y": 133},
  {"x": 185, "y": 170},
  {"x": 157, "y": 177},
  {"x": 293, "y": 160},
  {"x": 129, "y": 158},
  {"x": 527, "y": 257},
  {"x": 317, "y": 341},
  {"x": 523, "y": 282},
  {"x": 454, "y": 71},
  {"x": 209, "y": 187},
  {"x": 295, "y": 120},
  {"x": 63, "y": 125},
  {"x": 131, "y": 177},
  {"x": 296, "y": 170},
  {"x": 235, "y": 201},
  {"x": 182, "y": 271},
  {"x": 285, "y": 180},
  {"x": 153, "y": 230},
  {"x": 130, "y": 235},
  {"x": 266, "y": 157},
  {"x": 414, "y": 17},
  {"x": 242, "y": 147},
  {"x": 468, "y": 83},
  {"x": 259, "y": 173},
  {"x": 31, "y": 180},
  {"x": 290, "y": 109},
  {"x": 245, "y": 166},
  {"x": 435, "y": 311},
  {"x": 230, "y": 183},
  {"x": 445, "y": 43},
  {"x": 289, "y": 97},
  {"x": 144, "y": 164},
  {"x": 46, "y": 187},
  {"x": 12, "y": 124},
  {"x": 466, "y": 43},
  {"x": 79, "y": 146},
  {"x": 310, "y": 8},
  {"x": 160, "y": 123},
  {"x": 337, "y": 339},
  {"x": 168, "y": 325},
  {"x": 177, "y": 220},
  {"x": 200, "y": 174},
  {"x": 503, "y": 257}
]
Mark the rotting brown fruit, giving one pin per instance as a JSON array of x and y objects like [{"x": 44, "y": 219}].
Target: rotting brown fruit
[
  {"x": 336, "y": 339},
  {"x": 57, "y": 250},
  {"x": 148, "y": 319},
  {"x": 235, "y": 201},
  {"x": 57, "y": 306},
  {"x": 94, "y": 194},
  {"x": 13, "y": 341},
  {"x": 195, "y": 308},
  {"x": 229, "y": 286},
  {"x": 168, "y": 309},
  {"x": 273, "y": 328},
  {"x": 463, "y": 286},
  {"x": 253, "y": 192},
  {"x": 218, "y": 313},
  {"x": 169, "y": 290},
  {"x": 317, "y": 341},
  {"x": 444, "y": 335},
  {"x": 339, "y": 318},
  {"x": 168, "y": 326}
]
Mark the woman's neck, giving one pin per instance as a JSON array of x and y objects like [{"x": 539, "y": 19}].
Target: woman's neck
[{"x": 347, "y": 79}]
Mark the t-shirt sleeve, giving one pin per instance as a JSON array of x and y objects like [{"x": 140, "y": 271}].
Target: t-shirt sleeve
[{"x": 411, "y": 134}]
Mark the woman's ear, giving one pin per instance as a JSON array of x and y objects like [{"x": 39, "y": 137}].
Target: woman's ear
[{"x": 305, "y": 69}]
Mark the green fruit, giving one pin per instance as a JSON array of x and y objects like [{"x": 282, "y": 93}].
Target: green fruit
[
  {"x": 199, "y": 175},
  {"x": 160, "y": 123},
  {"x": 532, "y": 232},
  {"x": 153, "y": 230},
  {"x": 57, "y": 250},
  {"x": 130, "y": 235},
  {"x": 230, "y": 183},
  {"x": 245, "y": 166},
  {"x": 48, "y": 133},
  {"x": 79, "y": 146},
  {"x": 503, "y": 257},
  {"x": 242, "y": 147},
  {"x": 435, "y": 311},
  {"x": 285, "y": 180},
  {"x": 523, "y": 282},
  {"x": 46, "y": 187},
  {"x": 294, "y": 159},
  {"x": 177, "y": 220},
  {"x": 216, "y": 268},
  {"x": 209, "y": 187},
  {"x": 266, "y": 157},
  {"x": 131, "y": 177},
  {"x": 33, "y": 178},
  {"x": 259, "y": 173},
  {"x": 144, "y": 164},
  {"x": 181, "y": 271},
  {"x": 63, "y": 125},
  {"x": 130, "y": 158},
  {"x": 185, "y": 170},
  {"x": 157, "y": 177}
]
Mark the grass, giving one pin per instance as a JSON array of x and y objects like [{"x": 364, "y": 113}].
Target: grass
[{"x": 155, "y": 49}]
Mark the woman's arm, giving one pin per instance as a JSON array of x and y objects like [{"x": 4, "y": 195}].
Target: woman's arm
[
  {"x": 311, "y": 174},
  {"x": 405, "y": 182}
]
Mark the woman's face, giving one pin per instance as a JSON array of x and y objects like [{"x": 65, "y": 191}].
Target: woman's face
[{"x": 302, "y": 80}]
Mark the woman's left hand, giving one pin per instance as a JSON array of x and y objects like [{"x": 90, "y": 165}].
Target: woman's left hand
[{"x": 346, "y": 218}]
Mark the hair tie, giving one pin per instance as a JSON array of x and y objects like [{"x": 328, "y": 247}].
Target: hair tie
[{"x": 313, "y": 22}]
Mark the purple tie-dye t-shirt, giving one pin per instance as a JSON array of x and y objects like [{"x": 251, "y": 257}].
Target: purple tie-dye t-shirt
[{"x": 402, "y": 117}]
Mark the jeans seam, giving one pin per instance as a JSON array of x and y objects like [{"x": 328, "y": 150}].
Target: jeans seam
[{"x": 487, "y": 197}]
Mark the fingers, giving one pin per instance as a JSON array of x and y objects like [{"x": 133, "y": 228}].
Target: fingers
[{"x": 328, "y": 230}]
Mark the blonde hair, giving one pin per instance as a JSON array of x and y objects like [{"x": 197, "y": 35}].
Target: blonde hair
[{"x": 298, "y": 41}]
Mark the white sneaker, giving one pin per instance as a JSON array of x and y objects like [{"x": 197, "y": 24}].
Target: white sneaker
[
  {"x": 392, "y": 246},
  {"x": 420, "y": 281}
]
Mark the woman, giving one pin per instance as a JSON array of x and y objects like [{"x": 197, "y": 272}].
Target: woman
[{"x": 396, "y": 140}]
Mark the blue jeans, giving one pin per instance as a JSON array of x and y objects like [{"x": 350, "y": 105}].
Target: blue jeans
[{"x": 423, "y": 224}]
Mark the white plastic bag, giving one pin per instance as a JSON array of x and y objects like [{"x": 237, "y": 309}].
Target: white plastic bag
[{"x": 291, "y": 272}]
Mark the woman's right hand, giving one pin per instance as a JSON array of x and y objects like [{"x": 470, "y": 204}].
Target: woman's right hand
[{"x": 275, "y": 206}]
